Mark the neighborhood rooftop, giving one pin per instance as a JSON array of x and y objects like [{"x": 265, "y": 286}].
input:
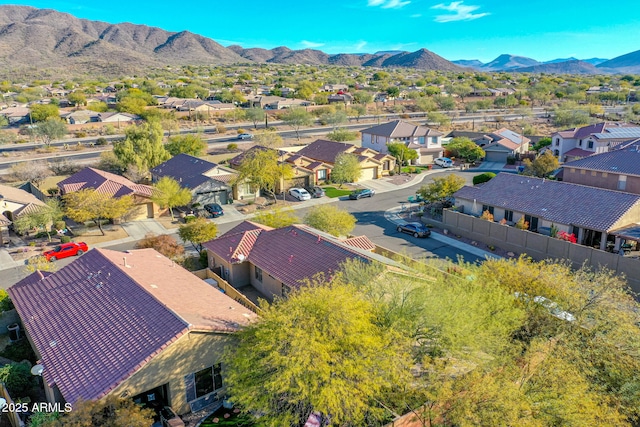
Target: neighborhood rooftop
[
  {"x": 103, "y": 182},
  {"x": 560, "y": 202},
  {"x": 16, "y": 195},
  {"x": 188, "y": 170},
  {"x": 626, "y": 161},
  {"x": 401, "y": 129},
  {"x": 107, "y": 313}
]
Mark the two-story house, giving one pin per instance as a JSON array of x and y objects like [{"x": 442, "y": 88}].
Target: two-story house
[
  {"x": 503, "y": 143},
  {"x": 425, "y": 141},
  {"x": 576, "y": 143}
]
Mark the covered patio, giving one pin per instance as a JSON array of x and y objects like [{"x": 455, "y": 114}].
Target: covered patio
[{"x": 627, "y": 239}]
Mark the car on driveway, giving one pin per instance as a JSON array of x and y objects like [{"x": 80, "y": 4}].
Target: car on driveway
[
  {"x": 445, "y": 162},
  {"x": 66, "y": 250},
  {"x": 414, "y": 228},
  {"x": 214, "y": 209},
  {"x": 360, "y": 193},
  {"x": 316, "y": 192},
  {"x": 245, "y": 136},
  {"x": 300, "y": 194}
]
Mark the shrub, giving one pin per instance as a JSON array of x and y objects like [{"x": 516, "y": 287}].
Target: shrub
[
  {"x": 511, "y": 160},
  {"x": 53, "y": 191},
  {"x": 221, "y": 129},
  {"x": 19, "y": 351},
  {"x": 5, "y": 301},
  {"x": 483, "y": 177},
  {"x": 102, "y": 141},
  {"x": 232, "y": 146},
  {"x": 60, "y": 225},
  {"x": 487, "y": 216},
  {"x": 18, "y": 379},
  {"x": 65, "y": 239},
  {"x": 522, "y": 224},
  {"x": 189, "y": 218},
  {"x": 240, "y": 130},
  {"x": 80, "y": 134},
  {"x": 165, "y": 244}
]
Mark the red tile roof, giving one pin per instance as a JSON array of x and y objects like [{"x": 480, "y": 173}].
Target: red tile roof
[
  {"x": 400, "y": 129},
  {"x": 362, "y": 242},
  {"x": 625, "y": 162},
  {"x": 103, "y": 182},
  {"x": 325, "y": 151},
  {"x": 99, "y": 319}
]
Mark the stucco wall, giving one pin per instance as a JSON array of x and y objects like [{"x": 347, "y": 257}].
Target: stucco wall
[
  {"x": 269, "y": 286},
  {"x": 539, "y": 246},
  {"x": 189, "y": 354}
]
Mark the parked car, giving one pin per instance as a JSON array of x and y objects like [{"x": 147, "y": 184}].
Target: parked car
[
  {"x": 214, "y": 209},
  {"x": 316, "y": 192},
  {"x": 245, "y": 136},
  {"x": 415, "y": 228},
  {"x": 66, "y": 250},
  {"x": 360, "y": 193},
  {"x": 300, "y": 194},
  {"x": 445, "y": 162},
  {"x": 169, "y": 418}
]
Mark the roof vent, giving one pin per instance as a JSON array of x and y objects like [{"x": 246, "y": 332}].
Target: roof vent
[{"x": 53, "y": 343}]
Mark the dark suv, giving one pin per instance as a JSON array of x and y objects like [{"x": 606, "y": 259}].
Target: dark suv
[
  {"x": 214, "y": 209},
  {"x": 415, "y": 228},
  {"x": 316, "y": 192}
]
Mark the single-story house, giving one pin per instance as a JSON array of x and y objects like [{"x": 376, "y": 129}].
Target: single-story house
[
  {"x": 503, "y": 143},
  {"x": 208, "y": 182},
  {"x": 425, "y": 141},
  {"x": 592, "y": 214},
  {"x": 374, "y": 165},
  {"x": 276, "y": 261},
  {"x": 13, "y": 203},
  {"x": 80, "y": 117},
  {"x": 129, "y": 324},
  {"x": 16, "y": 115},
  {"x": 113, "y": 185},
  {"x": 276, "y": 102},
  {"x": 116, "y": 117}
]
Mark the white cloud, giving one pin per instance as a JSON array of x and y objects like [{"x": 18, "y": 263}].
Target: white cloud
[
  {"x": 416, "y": 15},
  {"x": 360, "y": 45},
  {"x": 388, "y": 4},
  {"x": 460, "y": 11},
  {"x": 310, "y": 45}
]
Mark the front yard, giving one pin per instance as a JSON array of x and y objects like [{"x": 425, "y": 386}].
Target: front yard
[{"x": 333, "y": 192}]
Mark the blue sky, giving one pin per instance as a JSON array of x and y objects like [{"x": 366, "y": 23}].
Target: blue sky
[{"x": 469, "y": 29}]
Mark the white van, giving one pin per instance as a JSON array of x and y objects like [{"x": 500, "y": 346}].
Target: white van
[{"x": 445, "y": 162}]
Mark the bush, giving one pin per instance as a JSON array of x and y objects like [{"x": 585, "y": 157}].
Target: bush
[
  {"x": 102, "y": 141},
  {"x": 232, "y": 146},
  {"x": 18, "y": 379},
  {"x": 241, "y": 130},
  {"x": 19, "y": 351},
  {"x": 221, "y": 129},
  {"x": 80, "y": 134},
  {"x": 65, "y": 239},
  {"x": 483, "y": 177},
  {"x": 53, "y": 191},
  {"x": 5, "y": 301},
  {"x": 59, "y": 225},
  {"x": 189, "y": 218},
  {"x": 511, "y": 160}
]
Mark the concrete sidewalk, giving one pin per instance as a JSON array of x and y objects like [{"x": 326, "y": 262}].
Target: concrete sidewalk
[{"x": 393, "y": 216}]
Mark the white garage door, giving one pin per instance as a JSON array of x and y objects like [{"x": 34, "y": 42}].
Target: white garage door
[{"x": 369, "y": 173}]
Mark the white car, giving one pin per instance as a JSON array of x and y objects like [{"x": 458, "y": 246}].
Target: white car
[
  {"x": 300, "y": 194},
  {"x": 245, "y": 136},
  {"x": 445, "y": 162}
]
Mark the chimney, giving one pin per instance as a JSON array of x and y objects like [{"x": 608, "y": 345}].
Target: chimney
[{"x": 124, "y": 260}]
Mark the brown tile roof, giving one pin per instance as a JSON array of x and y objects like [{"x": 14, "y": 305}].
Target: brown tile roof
[
  {"x": 100, "y": 319},
  {"x": 103, "y": 182},
  {"x": 187, "y": 170},
  {"x": 237, "y": 160},
  {"x": 362, "y": 242},
  {"x": 11, "y": 194},
  {"x": 578, "y": 152},
  {"x": 325, "y": 151},
  {"x": 400, "y": 129},
  {"x": 555, "y": 201},
  {"x": 625, "y": 162}
]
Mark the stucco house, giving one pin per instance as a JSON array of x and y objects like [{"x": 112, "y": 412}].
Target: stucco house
[
  {"x": 425, "y": 141},
  {"x": 503, "y": 143},
  {"x": 13, "y": 203},
  {"x": 276, "y": 261},
  {"x": 129, "y": 324},
  {"x": 207, "y": 181},
  {"x": 113, "y": 185},
  {"x": 572, "y": 144},
  {"x": 594, "y": 215}
]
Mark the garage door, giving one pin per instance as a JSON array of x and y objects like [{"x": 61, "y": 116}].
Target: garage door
[
  {"x": 369, "y": 173},
  {"x": 300, "y": 182},
  {"x": 496, "y": 156},
  {"x": 213, "y": 197},
  {"x": 426, "y": 159}
]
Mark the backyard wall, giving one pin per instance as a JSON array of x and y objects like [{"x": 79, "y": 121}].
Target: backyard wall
[{"x": 538, "y": 246}]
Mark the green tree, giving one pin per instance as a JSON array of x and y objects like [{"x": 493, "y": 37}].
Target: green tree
[
  {"x": 261, "y": 169},
  {"x": 268, "y": 138},
  {"x": 42, "y": 112},
  {"x": 41, "y": 218},
  {"x": 191, "y": 144},
  {"x": 439, "y": 119},
  {"x": 441, "y": 188},
  {"x": 541, "y": 166},
  {"x": 49, "y": 130},
  {"x": 335, "y": 118},
  {"x": 77, "y": 98},
  {"x": 346, "y": 168},
  {"x": 330, "y": 219},
  {"x": 255, "y": 115},
  {"x": 393, "y": 91},
  {"x": 18, "y": 379},
  {"x": 358, "y": 111},
  {"x": 320, "y": 349},
  {"x": 39, "y": 263},
  {"x": 131, "y": 105},
  {"x": 402, "y": 153},
  {"x": 462, "y": 147},
  {"x": 362, "y": 97},
  {"x": 90, "y": 205},
  {"x": 342, "y": 135},
  {"x": 169, "y": 194},
  {"x": 198, "y": 232},
  {"x": 108, "y": 412},
  {"x": 446, "y": 103},
  {"x": 142, "y": 147},
  {"x": 544, "y": 142},
  {"x": 276, "y": 218},
  {"x": 426, "y": 104},
  {"x": 297, "y": 118}
]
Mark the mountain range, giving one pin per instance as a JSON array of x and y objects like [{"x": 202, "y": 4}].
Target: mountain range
[{"x": 56, "y": 40}]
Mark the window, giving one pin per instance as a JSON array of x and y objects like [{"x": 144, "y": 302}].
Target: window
[
  {"x": 582, "y": 171},
  {"x": 208, "y": 380},
  {"x": 258, "y": 274},
  {"x": 594, "y": 173},
  {"x": 434, "y": 140},
  {"x": 508, "y": 215},
  {"x": 572, "y": 170},
  {"x": 533, "y": 222},
  {"x": 322, "y": 174},
  {"x": 487, "y": 208},
  {"x": 590, "y": 145},
  {"x": 557, "y": 141},
  {"x": 580, "y": 143},
  {"x": 421, "y": 140},
  {"x": 622, "y": 182},
  {"x": 604, "y": 174}
]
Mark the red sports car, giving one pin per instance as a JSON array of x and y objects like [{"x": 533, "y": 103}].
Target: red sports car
[{"x": 66, "y": 250}]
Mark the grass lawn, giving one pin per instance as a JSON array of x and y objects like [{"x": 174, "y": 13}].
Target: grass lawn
[
  {"x": 406, "y": 169},
  {"x": 335, "y": 192}
]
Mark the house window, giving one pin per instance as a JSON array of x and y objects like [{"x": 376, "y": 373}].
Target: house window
[
  {"x": 208, "y": 380},
  {"x": 594, "y": 173},
  {"x": 421, "y": 140},
  {"x": 582, "y": 171},
  {"x": 622, "y": 182},
  {"x": 580, "y": 143},
  {"x": 557, "y": 141},
  {"x": 590, "y": 145},
  {"x": 572, "y": 170},
  {"x": 322, "y": 174},
  {"x": 533, "y": 222},
  {"x": 258, "y": 274},
  {"x": 604, "y": 174},
  {"x": 487, "y": 208},
  {"x": 434, "y": 140},
  {"x": 508, "y": 215}
]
